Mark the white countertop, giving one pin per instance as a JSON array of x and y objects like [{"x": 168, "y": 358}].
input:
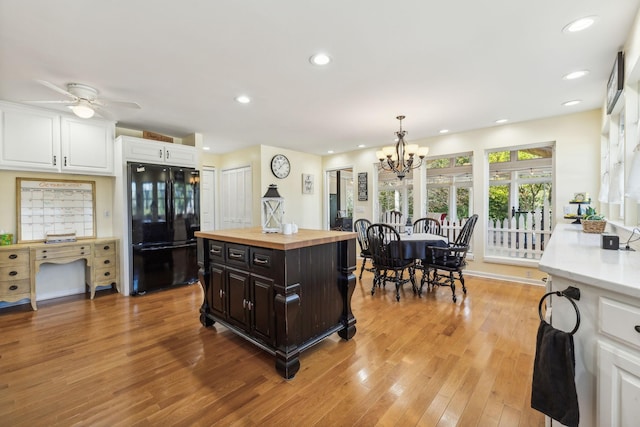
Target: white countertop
[{"x": 576, "y": 255}]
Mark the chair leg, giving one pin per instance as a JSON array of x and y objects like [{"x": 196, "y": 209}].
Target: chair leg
[
  {"x": 464, "y": 289},
  {"x": 364, "y": 261},
  {"x": 452, "y": 283},
  {"x": 398, "y": 280}
]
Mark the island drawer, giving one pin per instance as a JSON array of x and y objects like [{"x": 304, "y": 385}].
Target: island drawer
[
  {"x": 15, "y": 290},
  {"x": 620, "y": 321},
  {"x": 237, "y": 255},
  {"x": 216, "y": 251}
]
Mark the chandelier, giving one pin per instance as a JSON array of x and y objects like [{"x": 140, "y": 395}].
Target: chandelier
[{"x": 401, "y": 158}]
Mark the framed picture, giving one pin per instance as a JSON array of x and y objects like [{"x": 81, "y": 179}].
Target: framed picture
[
  {"x": 615, "y": 83},
  {"x": 307, "y": 183},
  {"x": 363, "y": 191}
]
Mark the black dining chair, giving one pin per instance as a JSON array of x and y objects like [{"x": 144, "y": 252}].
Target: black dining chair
[
  {"x": 427, "y": 225},
  {"x": 445, "y": 264},
  {"x": 388, "y": 258},
  {"x": 360, "y": 227}
]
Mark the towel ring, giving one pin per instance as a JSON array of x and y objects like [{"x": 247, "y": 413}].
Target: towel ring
[{"x": 570, "y": 293}]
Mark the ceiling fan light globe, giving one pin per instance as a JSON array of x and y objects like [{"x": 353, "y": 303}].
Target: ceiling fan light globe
[{"x": 83, "y": 110}]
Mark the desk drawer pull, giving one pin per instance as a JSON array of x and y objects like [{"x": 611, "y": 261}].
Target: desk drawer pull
[
  {"x": 44, "y": 257},
  {"x": 13, "y": 256},
  {"x": 13, "y": 287},
  {"x": 637, "y": 328},
  {"x": 106, "y": 261},
  {"x": 106, "y": 247},
  {"x": 107, "y": 274},
  {"x": 13, "y": 273}
]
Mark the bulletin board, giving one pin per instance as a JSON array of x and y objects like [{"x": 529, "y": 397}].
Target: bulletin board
[{"x": 55, "y": 206}]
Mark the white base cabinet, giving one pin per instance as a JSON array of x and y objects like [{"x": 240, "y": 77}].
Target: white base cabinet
[{"x": 619, "y": 386}]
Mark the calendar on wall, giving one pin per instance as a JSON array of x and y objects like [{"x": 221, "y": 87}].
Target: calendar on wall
[{"x": 55, "y": 206}]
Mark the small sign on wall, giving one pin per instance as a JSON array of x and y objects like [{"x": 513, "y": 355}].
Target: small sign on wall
[{"x": 363, "y": 191}]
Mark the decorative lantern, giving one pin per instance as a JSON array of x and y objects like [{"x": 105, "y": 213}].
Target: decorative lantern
[{"x": 272, "y": 210}]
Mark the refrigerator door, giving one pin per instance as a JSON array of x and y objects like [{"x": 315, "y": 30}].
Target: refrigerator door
[
  {"x": 149, "y": 203},
  {"x": 184, "y": 211},
  {"x": 158, "y": 267}
]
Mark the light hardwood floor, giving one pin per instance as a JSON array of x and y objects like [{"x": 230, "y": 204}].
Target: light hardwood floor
[{"x": 147, "y": 361}]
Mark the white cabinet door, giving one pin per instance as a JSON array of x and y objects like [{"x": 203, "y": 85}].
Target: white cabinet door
[
  {"x": 141, "y": 150},
  {"x": 181, "y": 155},
  {"x": 29, "y": 138},
  {"x": 618, "y": 386},
  {"x": 87, "y": 146}
]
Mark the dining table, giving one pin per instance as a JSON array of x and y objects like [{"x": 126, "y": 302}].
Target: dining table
[{"x": 414, "y": 245}]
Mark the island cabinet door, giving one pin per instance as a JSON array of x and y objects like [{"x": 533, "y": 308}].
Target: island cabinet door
[
  {"x": 261, "y": 309},
  {"x": 217, "y": 291},
  {"x": 238, "y": 293}
]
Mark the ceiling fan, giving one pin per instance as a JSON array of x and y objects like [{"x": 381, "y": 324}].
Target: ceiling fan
[{"x": 83, "y": 100}]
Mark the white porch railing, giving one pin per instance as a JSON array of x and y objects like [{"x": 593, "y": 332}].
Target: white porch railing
[{"x": 523, "y": 236}]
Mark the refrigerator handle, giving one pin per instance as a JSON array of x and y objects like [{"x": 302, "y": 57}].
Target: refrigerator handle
[{"x": 171, "y": 202}]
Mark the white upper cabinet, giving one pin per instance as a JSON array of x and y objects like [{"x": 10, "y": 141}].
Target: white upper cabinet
[
  {"x": 35, "y": 139},
  {"x": 147, "y": 151},
  {"x": 29, "y": 138},
  {"x": 87, "y": 146}
]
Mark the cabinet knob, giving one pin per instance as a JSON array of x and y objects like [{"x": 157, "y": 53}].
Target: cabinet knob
[
  {"x": 13, "y": 287},
  {"x": 637, "y": 328},
  {"x": 221, "y": 293}
]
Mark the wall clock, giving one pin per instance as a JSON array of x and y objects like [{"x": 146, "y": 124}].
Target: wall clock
[{"x": 280, "y": 166}]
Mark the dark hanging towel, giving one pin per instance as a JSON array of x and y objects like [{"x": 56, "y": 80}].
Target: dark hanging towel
[{"x": 553, "y": 391}]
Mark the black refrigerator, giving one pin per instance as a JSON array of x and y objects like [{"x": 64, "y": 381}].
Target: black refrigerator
[{"x": 164, "y": 215}]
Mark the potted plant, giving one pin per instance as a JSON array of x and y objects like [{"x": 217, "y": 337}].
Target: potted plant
[{"x": 592, "y": 222}]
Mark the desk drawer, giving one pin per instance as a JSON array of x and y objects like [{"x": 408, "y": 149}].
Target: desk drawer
[
  {"x": 14, "y": 257},
  {"x": 105, "y": 276},
  {"x": 62, "y": 252},
  {"x": 104, "y": 249},
  {"x": 15, "y": 290},
  {"x": 14, "y": 272},
  {"x": 620, "y": 320}
]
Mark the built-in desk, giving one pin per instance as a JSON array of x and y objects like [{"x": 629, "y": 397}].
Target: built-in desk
[{"x": 19, "y": 265}]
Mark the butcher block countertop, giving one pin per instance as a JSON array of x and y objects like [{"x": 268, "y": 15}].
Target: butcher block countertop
[{"x": 255, "y": 237}]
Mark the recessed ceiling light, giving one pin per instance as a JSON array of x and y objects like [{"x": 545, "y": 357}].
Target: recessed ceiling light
[
  {"x": 571, "y": 103},
  {"x": 206, "y": 148},
  {"x": 361, "y": 146},
  {"x": 580, "y": 24},
  {"x": 444, "y": 130},
  {"x": 320, "y": 59},
  {"x": 243, "y": 99},
  {"x": 330, "y": 151},
  {"x": 499, "y": 121},
  {"x": 575, "y": 75}
]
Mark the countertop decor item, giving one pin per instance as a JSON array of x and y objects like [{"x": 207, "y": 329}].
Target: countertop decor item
[{"x": 592, "y": 222}]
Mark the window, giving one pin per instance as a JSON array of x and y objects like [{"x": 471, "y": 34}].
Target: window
[
  {"x": 450, "y": 185},
  {"x": 520, "y": 190},
  {"x": 395, "y": 194}
]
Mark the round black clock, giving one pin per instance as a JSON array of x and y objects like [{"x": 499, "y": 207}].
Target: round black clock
[{"x": 280, "y": 166}]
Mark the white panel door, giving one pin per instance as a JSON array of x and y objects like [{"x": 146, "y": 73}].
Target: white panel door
[
  {"x": 207, "y": 199},
  {"x": 235, "y": 198}
]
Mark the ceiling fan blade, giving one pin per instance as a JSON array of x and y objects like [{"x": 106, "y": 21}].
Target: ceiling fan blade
[
  {"x": 126, "y": 104},
  {"x": 57, "y": 89},
  {"x": 102, "y": 112},
  {"x": 50, "y": 102}
]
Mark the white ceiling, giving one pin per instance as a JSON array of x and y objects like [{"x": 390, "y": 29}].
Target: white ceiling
[{"x": 455, "y": 64}]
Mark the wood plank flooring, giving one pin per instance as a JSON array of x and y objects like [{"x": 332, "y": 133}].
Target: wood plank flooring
[{"x": 147, "y": 361}]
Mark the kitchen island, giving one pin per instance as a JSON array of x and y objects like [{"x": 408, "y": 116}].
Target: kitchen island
[
  {"x": 607, "y": 342},
  {"x": 283, "y": 293}
]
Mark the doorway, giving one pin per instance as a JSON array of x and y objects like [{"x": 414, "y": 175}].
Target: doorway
[{"x": 339, "y": 197}]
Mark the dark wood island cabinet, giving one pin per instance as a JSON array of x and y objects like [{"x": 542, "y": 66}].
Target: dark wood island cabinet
[{"x": 283, "y": 293}]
